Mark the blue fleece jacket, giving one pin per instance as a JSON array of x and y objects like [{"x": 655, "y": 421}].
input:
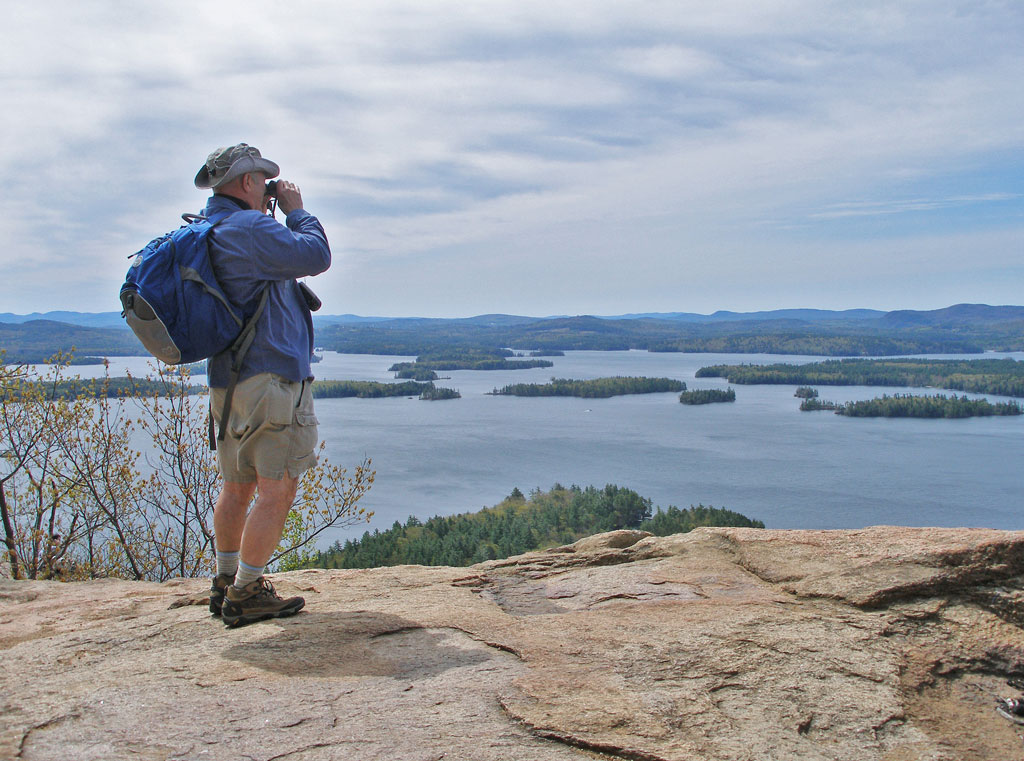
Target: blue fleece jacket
[{"x": 249, "y": 249}]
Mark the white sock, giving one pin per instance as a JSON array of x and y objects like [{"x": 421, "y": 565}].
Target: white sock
[
  {"x": 227, "y": 563},
  {"x": 247, "y": 574}
]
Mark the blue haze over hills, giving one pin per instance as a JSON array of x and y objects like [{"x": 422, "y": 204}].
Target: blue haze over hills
[
  {"x": 959, "y": 329},
  {"x": 958, "y": 313}
]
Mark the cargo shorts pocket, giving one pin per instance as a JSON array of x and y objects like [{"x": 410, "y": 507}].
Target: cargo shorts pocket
[
  {"x": 302, "y": 454},
  {"x": 281, "y": 401},
  {"x": 262, "y": 403}
]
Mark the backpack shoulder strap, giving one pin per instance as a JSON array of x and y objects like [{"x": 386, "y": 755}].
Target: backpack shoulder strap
[
  {"x": 238, "y": 351},
  {"x": 241, "y": 344},
  {"x": 214, "y": 219}
]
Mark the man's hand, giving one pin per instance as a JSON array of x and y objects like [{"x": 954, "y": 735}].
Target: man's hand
[{"x": 288, "y": 196}]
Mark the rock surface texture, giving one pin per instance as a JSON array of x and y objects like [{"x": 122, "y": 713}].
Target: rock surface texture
[{"x": 732, "y": 644}]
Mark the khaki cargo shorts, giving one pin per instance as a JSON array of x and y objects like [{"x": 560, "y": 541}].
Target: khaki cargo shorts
[{"x": 272, "y": 429}]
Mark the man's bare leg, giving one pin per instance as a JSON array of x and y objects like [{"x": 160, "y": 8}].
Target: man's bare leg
[
  {"x": 263, "y": 527},
  {"x": 229, "y": 514},
  {"x": 252, "y": 598},
  {"x": 228, "y": 523}
]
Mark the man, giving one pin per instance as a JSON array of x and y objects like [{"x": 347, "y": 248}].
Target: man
[{"x": 271, "y": 432}]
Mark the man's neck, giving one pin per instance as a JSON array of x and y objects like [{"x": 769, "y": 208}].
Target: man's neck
[{"x": 242, "y": 204}]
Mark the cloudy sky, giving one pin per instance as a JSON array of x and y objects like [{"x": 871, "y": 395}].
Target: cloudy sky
[{"x": 538, "y": 158}]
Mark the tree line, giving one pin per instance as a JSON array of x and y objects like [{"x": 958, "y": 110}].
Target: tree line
[
  {"x": 519, "y": 524},
  {"x": 598, "y": 388}
]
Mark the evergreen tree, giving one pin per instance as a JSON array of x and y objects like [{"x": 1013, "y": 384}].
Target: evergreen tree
[{"x": 517, "y": 525}]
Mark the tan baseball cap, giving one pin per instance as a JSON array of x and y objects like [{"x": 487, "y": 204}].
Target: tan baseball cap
[{"x": 225, "y": 164}]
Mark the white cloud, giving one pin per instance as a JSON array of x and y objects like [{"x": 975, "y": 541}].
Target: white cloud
[
  {"x": 541, "y": 137},
  {"x": 900, "y": 206},
  {"x": 666, "y": 62}
]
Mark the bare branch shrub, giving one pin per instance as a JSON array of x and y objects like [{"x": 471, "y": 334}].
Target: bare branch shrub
[{"x": 95, "y": 483}]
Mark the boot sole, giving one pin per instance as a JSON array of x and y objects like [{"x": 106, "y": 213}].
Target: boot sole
[
  {"x": 233, "y": 622},
  {"x": 217, "y": 597}
]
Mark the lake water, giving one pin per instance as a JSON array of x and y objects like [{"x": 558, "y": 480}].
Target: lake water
[{"x": 759, "y": 456}]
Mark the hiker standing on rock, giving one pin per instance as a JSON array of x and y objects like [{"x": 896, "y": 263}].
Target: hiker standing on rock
[{"x": 271, "y": 431}]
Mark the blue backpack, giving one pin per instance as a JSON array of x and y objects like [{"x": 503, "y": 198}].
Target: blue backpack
[{"x": 173, "y": 303}]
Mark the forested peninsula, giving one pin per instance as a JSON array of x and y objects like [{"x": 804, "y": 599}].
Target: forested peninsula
[
  {"x": 598, "y": 388},
  {"x": 1004, "y": 377},
  {"x": 519, "y": 524}
]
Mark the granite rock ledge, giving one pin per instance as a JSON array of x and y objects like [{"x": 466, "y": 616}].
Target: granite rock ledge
[{"x": 885, "y": 643}]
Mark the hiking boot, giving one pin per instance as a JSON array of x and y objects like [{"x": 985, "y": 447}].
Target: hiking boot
[
  {"x": 1012, "y": 709},
  {"x": 218, "y": 584},
  {"x": 255, "y": 602}
]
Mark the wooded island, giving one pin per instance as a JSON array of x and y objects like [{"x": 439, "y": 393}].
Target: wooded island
[
  {"x": 707, "y": 396},
  {"x": 598, "y": 388}
]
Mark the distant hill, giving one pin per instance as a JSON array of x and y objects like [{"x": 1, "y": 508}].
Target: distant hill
[
  {"x": 494, "y": 320},
  {"x": 114, "y": 319},
  {"x": 341, "y": 319},
  {"x": 956, "y": 315},
  {"x": 804, "y": 315},
  {"x": 87, "y": 319},
  {"x": 39, "y": 340},
  {"x": 963, "y": 314},
  {"x": 855, "y": 333},
  {"x": 962, "y": 328}
]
